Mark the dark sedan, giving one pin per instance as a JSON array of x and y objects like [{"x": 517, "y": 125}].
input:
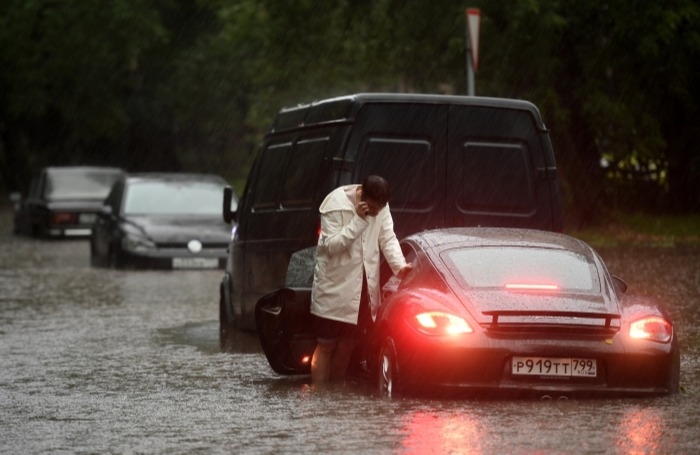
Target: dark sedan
[
  {"x": 493, "y": 311},
  {"x": 63, "y": 201},
  {"x": 162, "y": 220}
]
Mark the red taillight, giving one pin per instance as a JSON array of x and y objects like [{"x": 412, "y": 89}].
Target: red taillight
[
  {"x": 440, "y": 323},
  {"x": 652, "y": 328},
  {"x": 64, "y": 218}
]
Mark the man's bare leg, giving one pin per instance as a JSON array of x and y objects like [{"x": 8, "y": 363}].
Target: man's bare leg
[
  {"x": 341, "y": 359},
  {"x": 321, "y": 363}
]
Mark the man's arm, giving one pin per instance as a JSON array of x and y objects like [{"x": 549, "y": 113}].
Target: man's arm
[
  {"x": 389, "y": 245},
  {"x": 336, "y": 235}
]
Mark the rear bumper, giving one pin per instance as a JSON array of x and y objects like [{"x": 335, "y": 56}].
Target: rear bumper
[
  {"x": 68, "y": 231},
  {"x": 480, "y": 365}
]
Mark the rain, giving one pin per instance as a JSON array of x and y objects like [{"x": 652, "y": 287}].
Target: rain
[{"x": 119, "y": 361}]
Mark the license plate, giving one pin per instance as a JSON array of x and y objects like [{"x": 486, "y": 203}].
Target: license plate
[
  {"x": 551, "y": 366},
  {"x": 87, "y": 218},
  {"x": 195, "y": 263}
]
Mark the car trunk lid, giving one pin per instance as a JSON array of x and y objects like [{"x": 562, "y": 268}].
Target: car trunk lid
[{"x": 497, "y": 310}]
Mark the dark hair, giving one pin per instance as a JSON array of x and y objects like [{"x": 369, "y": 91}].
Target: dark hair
[{"x": 377, "y": 189}]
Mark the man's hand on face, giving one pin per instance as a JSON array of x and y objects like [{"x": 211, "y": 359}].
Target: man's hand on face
[{"x": 362, "y": 209}]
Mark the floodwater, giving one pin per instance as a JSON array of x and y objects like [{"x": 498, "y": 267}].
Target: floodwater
[{"x": 102, "y": 361}]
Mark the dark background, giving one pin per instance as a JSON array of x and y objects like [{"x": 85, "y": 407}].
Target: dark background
[{"x": 193, "y": 84}]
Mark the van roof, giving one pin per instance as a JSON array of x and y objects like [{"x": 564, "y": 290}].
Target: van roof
[{"x": 344, "y": 108}]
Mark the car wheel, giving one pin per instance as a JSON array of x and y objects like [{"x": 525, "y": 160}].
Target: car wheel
[
  {"x": 94, "y": 260},
  {"x": 226, "y": 322},
  {"x": 674, "y": 374},
  {"x": 388, "y": 384},
  {"x": 226, "y": 319},
  {"x": 114, "y": 261}
]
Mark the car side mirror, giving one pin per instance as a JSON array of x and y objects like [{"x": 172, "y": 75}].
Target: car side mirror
[
  {"x": 15, "y": 197},
  {"x": 228, "y": 214},
  {"x": 620, "y": 285}
]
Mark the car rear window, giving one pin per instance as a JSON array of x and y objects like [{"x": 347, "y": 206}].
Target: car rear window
[
  {"x": 79, "y": 185},
  {"x": 522, "y": 268},
  {"x": 173, "y": 198}
]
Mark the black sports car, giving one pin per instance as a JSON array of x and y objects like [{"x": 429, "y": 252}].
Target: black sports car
[
  {"x": 492, "y": 311},
  {"x": 162, "y": 220},
  {"x": 63, "y": 201}
]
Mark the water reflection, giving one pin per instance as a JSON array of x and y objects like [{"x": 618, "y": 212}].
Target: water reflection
[
  {"x": 101, "y": 361},
  {"x": 642, "y": 431},
  {"x": 452, "y": 432}
]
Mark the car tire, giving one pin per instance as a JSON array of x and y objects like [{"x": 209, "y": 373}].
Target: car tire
[
  {"x": 226, "y": 318},
  {"x": 388, "y": 380},
  {"x": 114, "y": 260},
  {"x": 227, "y": 340},
  {"x": 674, "y": 374},
  {"x": 95, "y": 261}
]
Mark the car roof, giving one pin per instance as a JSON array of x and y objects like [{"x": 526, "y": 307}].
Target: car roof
[
  {"x": 73, "y": 169},
  {"x": 440, "y": 239},
  {"x": 174, "y": 177},
  {"x": 344, "y": 108}
]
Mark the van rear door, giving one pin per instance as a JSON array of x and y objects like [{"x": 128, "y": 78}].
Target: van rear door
[{"x": 497, "y": 173}]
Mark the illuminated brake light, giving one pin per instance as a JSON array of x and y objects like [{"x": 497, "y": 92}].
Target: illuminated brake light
[
  {"x": 652, "y": 328},
  {"x": 532, "y": 287},
  {"x": 439, "y": 323},
  {"x": 306, "y": 359}
]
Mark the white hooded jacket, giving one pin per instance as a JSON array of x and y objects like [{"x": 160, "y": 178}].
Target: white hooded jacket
[{"x": 347, "y": 245}]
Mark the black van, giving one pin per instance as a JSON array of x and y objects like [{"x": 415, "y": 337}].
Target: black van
[{"x": 450, "y": 161}]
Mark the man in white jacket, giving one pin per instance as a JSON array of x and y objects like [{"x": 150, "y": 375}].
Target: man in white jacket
[{"x": 355, "y": 225}]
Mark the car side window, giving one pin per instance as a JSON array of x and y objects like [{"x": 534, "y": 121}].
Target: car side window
[
  {"x": 272, "y": 168},
  {"x": 305, "y": 162}
]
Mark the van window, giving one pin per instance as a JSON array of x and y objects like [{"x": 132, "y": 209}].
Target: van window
[
  {"x": 496, "y": 176},
  {"x": 409, "y": 167},
  {"x": 305, "y": 163},
  {"x": 272, "y": 166}
]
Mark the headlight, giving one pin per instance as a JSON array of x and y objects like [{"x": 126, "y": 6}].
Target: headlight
[
  {"x": 653, "y": 328},
  {"x": 137, "y": 244},
  {"x": 440, "y": 323}
]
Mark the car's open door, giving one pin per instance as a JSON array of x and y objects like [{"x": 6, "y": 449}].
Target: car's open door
[{"x": 285, "y": 329}]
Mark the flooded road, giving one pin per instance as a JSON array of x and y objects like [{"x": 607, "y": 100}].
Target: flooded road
[{"x": 102, "y": 361}]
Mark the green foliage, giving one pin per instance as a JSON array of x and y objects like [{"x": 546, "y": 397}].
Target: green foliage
[{"x": 193, "y": 84}]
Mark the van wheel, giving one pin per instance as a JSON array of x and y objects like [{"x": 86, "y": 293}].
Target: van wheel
[
  {"x": 388, "y": 383},
  {"x": 226, "y": 320},
  {"x": 226, "y": 323}
]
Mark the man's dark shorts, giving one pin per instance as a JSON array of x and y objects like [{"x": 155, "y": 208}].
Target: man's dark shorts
[{"x": 330, "y": 331}]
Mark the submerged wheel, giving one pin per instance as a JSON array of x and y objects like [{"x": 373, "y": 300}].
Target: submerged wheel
[
  {"x": 113, "y": 258},
  {"x": 388, "y": 384},
  {"x": 226, "y": 320}
]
